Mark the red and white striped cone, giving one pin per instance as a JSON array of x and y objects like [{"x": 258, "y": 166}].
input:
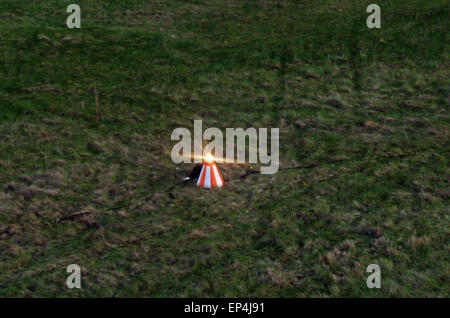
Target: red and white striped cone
[{"x": 210, "y": 176}]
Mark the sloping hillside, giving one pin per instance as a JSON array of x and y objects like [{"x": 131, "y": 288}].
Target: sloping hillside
[{"x": 86, "y": 175}]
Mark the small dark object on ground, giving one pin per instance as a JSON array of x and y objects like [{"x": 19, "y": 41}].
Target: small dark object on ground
[{"x": 196, "y": 171}]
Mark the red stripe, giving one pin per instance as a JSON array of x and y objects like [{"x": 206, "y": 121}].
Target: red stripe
[
  {"x": 213, "y": 177},
  {"x": 220, "y": 176}
]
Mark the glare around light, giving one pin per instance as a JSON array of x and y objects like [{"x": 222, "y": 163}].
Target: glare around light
[{"x": 209, "y": 158}]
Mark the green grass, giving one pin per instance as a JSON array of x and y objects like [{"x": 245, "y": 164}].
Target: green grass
[{"x": 368, "y": 107}]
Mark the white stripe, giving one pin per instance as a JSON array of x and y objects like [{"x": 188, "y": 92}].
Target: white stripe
[
  {"x": 208, "y": 177},
  {"x": 216, "y": 174},
  {"x": 200, "y": 176}
]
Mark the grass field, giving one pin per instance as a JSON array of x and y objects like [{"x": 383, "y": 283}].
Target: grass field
[{"x": 86, "y": 175}]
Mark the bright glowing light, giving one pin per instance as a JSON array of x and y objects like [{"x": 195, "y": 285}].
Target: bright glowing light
[{"x": 209, "y": 158}]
